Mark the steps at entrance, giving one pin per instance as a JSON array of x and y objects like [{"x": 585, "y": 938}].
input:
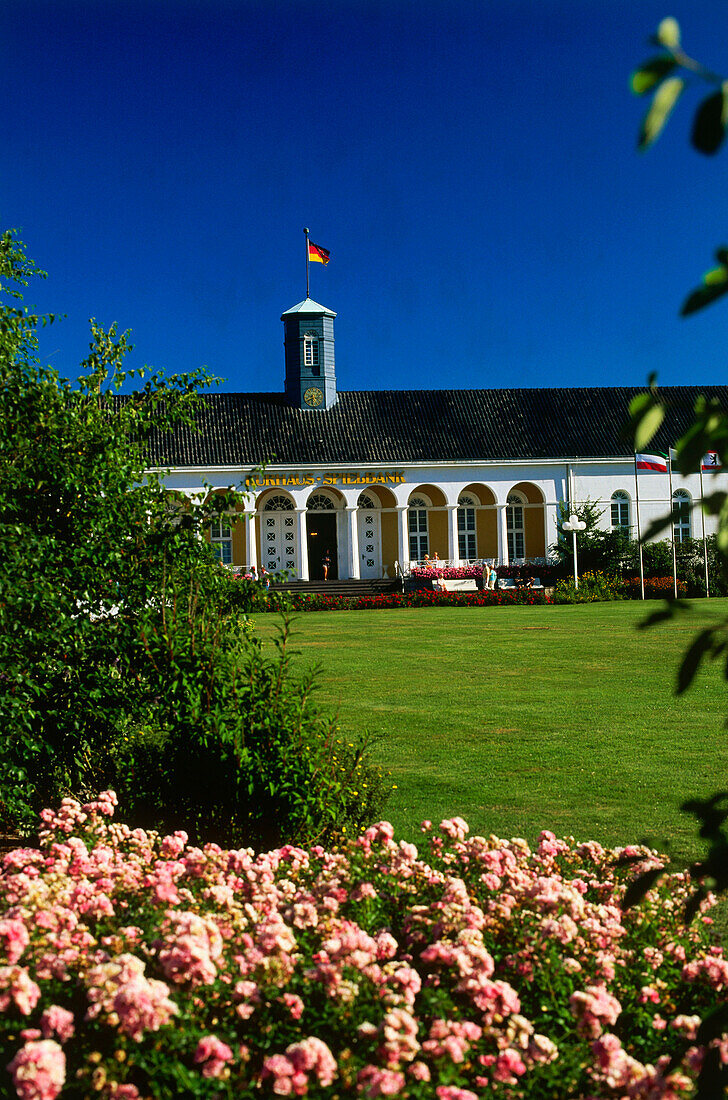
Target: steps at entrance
[{"x": 342, "y": 588}]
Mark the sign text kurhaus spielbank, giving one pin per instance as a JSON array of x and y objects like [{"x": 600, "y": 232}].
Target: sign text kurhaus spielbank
[{"x": 266, "y": 481}]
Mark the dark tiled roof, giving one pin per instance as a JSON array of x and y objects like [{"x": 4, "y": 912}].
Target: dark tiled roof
[{"x": 397, "y": 426}]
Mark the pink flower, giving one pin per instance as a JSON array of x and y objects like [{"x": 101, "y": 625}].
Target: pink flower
[
  {"x": 362, "y": 891},
  {"x": 420, "y": 1071},
  {"x": 374, "y": 1081},
  {"x": 17, "y": 987},
  {"x": 14, "y": 938},
  {"x": 313, "y": 1056},
  {"x": 452, "y": 1092},
  {"x": 212, "y": 1055},
  {"x": 39, "y": 1070},
  {"x": 712, "y": 968},
  {"x": 508, "y": 1067},
  {"x": 285, "y": 1079},
  {"x": 687, "y": 1024},
  {"x": 455, "y": 827},
  {"x": 133, "y": 1002},
  {"x": 291, "y": 1071},
  {"x": 173, "y": 846},
  {"x": 593, "y": 1007},
  {"x": 59, "y": 1021},
  {"x": 190, "y": 949},
  {"x": 294, "y": 1004}
]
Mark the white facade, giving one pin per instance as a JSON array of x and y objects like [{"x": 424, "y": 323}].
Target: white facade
[{"x": 375, "y": 520}]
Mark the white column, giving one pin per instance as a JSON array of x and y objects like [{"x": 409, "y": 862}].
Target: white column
[
  {"x": 251, "y": 549},
  {"x": 453, "y": 549},
  {"x": 402, "y": 538},
  {"x": 352, "y": 534},
  {"x": 502, "y": 534},
  {"x": 302, "y": 537}
]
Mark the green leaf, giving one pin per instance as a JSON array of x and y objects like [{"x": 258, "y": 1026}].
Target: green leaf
[
  {"x": 714, "y": 503},
  {"x": 668, "y": 33},
  {"x": 702, "y": 645},
  {"x": 715, "y": 285},
  {"x": 654, "y": 528},
  {"x": 641, "y": 886},
  {"x": 709, "y": 123},
  {"x": 716, "y": 276},
  {"x": 662, "y": 104},
  {"x": 648, "y": 424},
  {"x": 651, "y": 73},
  {"x": 639, "y": 403},
  {"x": 666, "y": 613}
]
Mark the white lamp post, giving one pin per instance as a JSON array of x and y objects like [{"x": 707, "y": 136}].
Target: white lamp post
[{"x": 574, "y": 524}]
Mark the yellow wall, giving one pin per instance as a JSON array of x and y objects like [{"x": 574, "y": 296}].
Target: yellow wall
[
  {"x": 238, "y": 533},
  {"x": 534, "y": 531},
  {"x": 390, "y": 553},
  {"x": 533, "y": 520},
  {"x": 486, "y": 528},
  {"x": 437, "y": 526}
]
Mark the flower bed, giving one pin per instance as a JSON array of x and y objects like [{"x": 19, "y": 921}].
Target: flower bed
[
  {"x": 447, "y": 572},
  {"x": 299, "y": 601},
  {"x": 656, "y": 588},
  {"x": 138, "y": 966}
]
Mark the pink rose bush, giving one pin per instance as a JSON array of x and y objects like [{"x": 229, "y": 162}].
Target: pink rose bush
[{"x": 136, "y": 966}]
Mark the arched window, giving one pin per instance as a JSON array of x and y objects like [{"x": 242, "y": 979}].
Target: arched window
[
  {"x": 320, "y": 502},
  {"x": 311, "y": 352},
  {"x": 417, "y": 522},
  {"x": 515, "y": 526},
  {"x": 467, "y": 542},
  {"x": 278, "y": 504},
  {"x": 620, "y": 510},
  {"x": 366, "y": 501},
  {"x": 681, "y": 515}
]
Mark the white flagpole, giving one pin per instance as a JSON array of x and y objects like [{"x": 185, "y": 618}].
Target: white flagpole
[
  {"x": 672, "y": 524},
  {"x": 308, "y": 295},
  {"x": 705, "y": 544},
  {"x": 639, "y": 532}
]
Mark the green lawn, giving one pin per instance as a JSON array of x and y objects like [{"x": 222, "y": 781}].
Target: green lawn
[{"x": 526, "y": 718}]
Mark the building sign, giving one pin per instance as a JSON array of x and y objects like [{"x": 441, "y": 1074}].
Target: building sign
[{"x": 292, "y": 481}]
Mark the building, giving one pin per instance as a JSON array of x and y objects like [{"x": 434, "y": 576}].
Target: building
[{"x": 376, "y": 480}]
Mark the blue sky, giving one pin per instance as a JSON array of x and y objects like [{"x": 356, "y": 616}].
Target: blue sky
[{"x": 471, "y": 166}]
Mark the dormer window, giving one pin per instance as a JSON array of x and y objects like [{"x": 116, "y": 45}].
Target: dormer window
[{"x": 311, "y": 352}]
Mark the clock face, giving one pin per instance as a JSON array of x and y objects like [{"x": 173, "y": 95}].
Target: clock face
[{"x": 313, "y": 396}]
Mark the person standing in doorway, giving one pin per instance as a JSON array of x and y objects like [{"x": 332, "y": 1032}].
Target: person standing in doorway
[{"x": 326, "y": 562}]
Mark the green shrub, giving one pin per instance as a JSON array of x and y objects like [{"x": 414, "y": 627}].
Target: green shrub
[
  {"x": 593, "y": 588},
  {"x": 235, "y": 748},
  {"x": 124, "y": 660}
]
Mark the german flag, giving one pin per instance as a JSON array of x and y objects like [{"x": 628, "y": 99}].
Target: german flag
[{"x": 317, "y": 253}]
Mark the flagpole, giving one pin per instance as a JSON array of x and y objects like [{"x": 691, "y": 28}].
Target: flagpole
[
  {"x": 672, "y": 522},
  {"x": 308, "y": 293},
  {"x": 702, "y": 517},
  {"x": 639, "y": 533}
]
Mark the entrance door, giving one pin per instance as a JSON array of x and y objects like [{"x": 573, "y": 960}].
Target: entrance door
[
  {"x": 321, "y": 531},
  {"x": 370, "y": 543},
  {"x": 278, "y": 538}
]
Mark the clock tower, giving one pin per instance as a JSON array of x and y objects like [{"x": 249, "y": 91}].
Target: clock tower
[{"x": 309, "y": 342}]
